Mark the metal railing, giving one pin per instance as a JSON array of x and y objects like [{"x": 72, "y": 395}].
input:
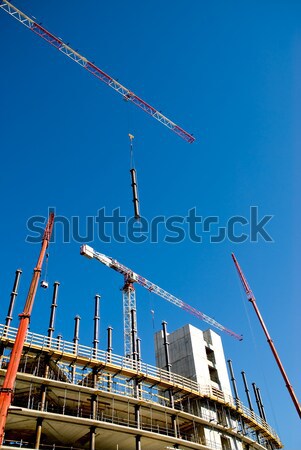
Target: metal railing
[{"x": 66, "y": 348}]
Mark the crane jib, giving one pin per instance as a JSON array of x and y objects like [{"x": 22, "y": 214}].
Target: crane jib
[
  {"x": 93, "y": 69},
  {"x": 133, "y": 277}
]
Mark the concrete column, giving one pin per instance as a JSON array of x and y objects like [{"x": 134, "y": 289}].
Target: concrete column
[
  {"x": 13, "y": 296},
  {"x": 174, "y": 424},
  {"x": 9, "y": 316},
  {"x": 109, "y": 354},
  {"x": 75, "y": 344},
  {"x": 93, "y": 406},
  {"x": 138, "y": 442},
  {"x": 137, "y": 416},
  {"x": 92, "y": 438},
  {"x": 167, "y": 360},
  {"x": 43, "y": 395},
  {"x": 53, "y": 309},
  {"x": 38, "y": 432},
  {"x": 261, "y": 404},
  {"x": 257, "y": 399},
  {"x": 96, "y": 324},
  {"x": 233, "y": 382},
  {"x": 247, "y": 391}
]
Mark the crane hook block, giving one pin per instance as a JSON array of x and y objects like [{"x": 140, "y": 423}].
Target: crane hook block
[{"x": 135, "y": 193}]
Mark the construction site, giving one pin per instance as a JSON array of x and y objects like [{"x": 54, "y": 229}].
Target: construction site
[
  {"x": 62, "y": 394},
  {"x": 72, "y": 396}
]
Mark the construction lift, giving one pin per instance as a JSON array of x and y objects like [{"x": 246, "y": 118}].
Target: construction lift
[{"x": 129, "y": 296}]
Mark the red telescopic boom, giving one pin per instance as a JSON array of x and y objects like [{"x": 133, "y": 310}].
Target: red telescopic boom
[
  {"x": 6, "y": 391},
  {"x": 252, "y": 299}
]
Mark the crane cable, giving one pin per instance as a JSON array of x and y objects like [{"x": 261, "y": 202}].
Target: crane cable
[
  {"x": 46, "y": 266},
  {"x": 257, "y": 352},
  {"x": 152, "y": 309},
  {"x": 132, "y": 160}
]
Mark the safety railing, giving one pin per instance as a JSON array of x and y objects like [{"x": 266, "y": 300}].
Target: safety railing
[{"x": 66, "y": 348}]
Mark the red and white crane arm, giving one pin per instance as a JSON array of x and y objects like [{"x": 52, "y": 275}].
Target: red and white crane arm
[
  {"x": 93, "y": 69},
  {"x": 89, "y": 252}
]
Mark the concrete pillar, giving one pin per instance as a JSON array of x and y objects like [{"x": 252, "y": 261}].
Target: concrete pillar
[
  {"x": 109, "y": 354},
  {"x": 53, "y": 309},
  {"x": 92, "y": 438},
  {"x": 247, "y": 391},
  {"x": 13, "y": 296},
  {"x": 137, "y": 416},
  {"x": 93, "y": 406},
  {"x": 236, "y": 396},
  {"x": 38, "y": 432},
  {"x": 257, "y": 399},
  {"x": 96, "y": 324},
  {"x": 43, "y": 395},
  {"x": 167, "y": 360},
  {"x": 174, "y": 424},
  {"x": 138, "y": 442},
  {"x": 261, "y": 404},
  {"x": 9, "y": 316}
]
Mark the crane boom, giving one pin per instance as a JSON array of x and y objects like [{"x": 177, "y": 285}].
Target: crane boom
[
  {"x": 7, "y": 388},
  {"x": 251, "y": 298},
  {"x": 93, "y": 69},
  {"x": 89, "y": 252}
]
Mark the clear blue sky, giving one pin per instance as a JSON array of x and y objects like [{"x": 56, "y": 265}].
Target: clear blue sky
[{"x": 227, "y": 71}]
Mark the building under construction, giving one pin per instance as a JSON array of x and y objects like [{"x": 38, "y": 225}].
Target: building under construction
[
  {"x": 69, "y": 395},
  {"x": 64, "y": 395}
]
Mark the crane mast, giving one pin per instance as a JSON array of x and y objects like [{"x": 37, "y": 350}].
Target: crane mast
[
  {"x": 251, "y": 298},
  {"x": 133, "y": 277},
  {"x": 129, "y": 305},
  {"x": 93, "y": 69}
]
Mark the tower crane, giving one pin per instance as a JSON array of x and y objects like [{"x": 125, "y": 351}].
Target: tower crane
[
  {"x": 129, "y": 297},
  {"x": 92, "y": 68},
  {"x": 251, "y": 298}
]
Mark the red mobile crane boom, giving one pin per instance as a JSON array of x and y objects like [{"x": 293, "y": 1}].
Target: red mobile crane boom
[
  {"x": 132, "y": 277},
  {"x": 6, "y": 390},
  {"x": 251, "y": 298},
  {"x": 93, "y": 69}
]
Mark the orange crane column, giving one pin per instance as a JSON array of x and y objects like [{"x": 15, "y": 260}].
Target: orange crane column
[
  {"x": 252, "y": 299},
  {"x": 6, "y": 391}
]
